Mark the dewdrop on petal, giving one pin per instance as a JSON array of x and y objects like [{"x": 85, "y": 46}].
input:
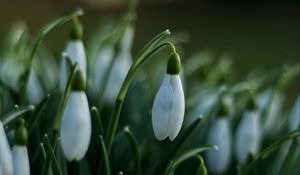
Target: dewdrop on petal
[
  {"x": 75, "y": 131},
  {"x": 219, "y": 134},
  {"x": 168, "y": 107},
  {"x": 6, "y": 163},
  {"x": 74, "y": 50},
  {"x": 247, "y": 137},
  {"x": 19, "y": 151}
]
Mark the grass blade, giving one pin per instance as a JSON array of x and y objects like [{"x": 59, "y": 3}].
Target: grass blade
[
  {"x": 34, "y": 118},
  {"x": 11, "y": 116},
  {"x": 188, "y": 154},
  {"x": 105, "y": 155},
  {"x": 136, "y": 150},
  {"x": 269, "y": 150},
  {"x": 53, "y": 154}
]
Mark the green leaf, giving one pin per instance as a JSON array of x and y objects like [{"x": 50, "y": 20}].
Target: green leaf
[
  {"x": 291, "y": 158},
  {"x": 105, "y": 155},
  {"x": 136, "y": 150},
  {"x": 160, "y": 165},
  {"x": 268, "y": 151},
  {"x": 11, "y": 116},
  {"x": 188, "y": 154},
  {"x": 53, "y": 154},
  {"x": 57, "y": 120},
  {"x": 34, "y": 118}
]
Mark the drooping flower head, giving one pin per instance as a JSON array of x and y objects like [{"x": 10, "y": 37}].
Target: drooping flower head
[
  {"x": 76, "y": 122},
  {"x": 20, "y": 153},
  {"x": 75, "y": 50},
  {"x": 247, "y": 136},
  {"x": 168, "y": 107},
  {"x": 6, "y": 163},
  {"x": 220, "y": 134}
]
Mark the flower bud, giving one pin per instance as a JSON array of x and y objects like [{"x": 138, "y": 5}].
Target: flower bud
[
  {"x": 76, "y": 31},
  {"x": 78, "y": 83}
]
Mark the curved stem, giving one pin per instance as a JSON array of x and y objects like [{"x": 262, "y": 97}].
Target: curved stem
[{"x": 122, "y": 93}]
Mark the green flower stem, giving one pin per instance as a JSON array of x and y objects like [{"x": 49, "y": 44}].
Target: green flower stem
[
  {"x": 105, "y": 155},
  {"x": 57, "y": 120},
  {"x": 13, "y": 115},
  {"x": 160, "y": 165},
  {"x": 43, "y": 33},
  {"x": 268, "y": 151},
  {"x": 291, "y": 158},
  {"x": 136, "y": 150},
  {"x": 121, "y": 96}
]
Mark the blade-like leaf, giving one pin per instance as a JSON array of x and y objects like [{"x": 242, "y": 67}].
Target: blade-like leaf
[
  {"x": 190, "y": 153},
  {"x": 269, "y": 150},
  {"x": 53, "y": 154},
  {"x": 16, "y": 113},
  {"x": 34, "y": 118},
  {"x": 105, "y": 155},
  {"x": 136, "y": 150}
]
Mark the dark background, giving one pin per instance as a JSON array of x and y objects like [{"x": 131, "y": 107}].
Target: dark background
[{"x": 262, "y": 34}]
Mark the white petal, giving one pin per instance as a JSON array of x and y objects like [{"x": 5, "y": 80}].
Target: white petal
[
  {"x": 76, "y": 127},
  {"x": 99, "y": 69},
  {"x": 294, "y": 119},
  {"x": 75, "y": 50},
  {"x": 6, "y": 163},
  {"x": 21, "y": 161},
  {"x": 178, "y": 106},
  {"x": 161, "y": 110},
  {"x": 35, "y": 91},
  {"x": 219, "y": 134},
  {"x": 117, "y": 76},
  {"x": 127, "y": 39},
  {"x": 247, "y": 136}
]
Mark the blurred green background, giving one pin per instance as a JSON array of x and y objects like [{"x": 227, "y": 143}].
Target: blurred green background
[{"x": 260, "y": 34}]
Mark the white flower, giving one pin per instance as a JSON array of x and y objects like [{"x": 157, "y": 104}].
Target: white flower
[
  {"x": 99, "y": 69},
  {"x": 75, "y": 50},
  {"x": 20, "y": 160},
  {"x": 294, "y": 119},
  {"x": 34, "y": 89},
  {"x": 76, "y": 126},
  {"x": 219, "y": 134},
  {"x": 120, "y": 67},
  {"x": 247, "y": 138},
  {"x": 168, "y": 108},
  {"x": 6, "y": 163}
]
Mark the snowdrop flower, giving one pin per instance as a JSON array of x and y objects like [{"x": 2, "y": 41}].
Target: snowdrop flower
[
  {"x": 6, "y": 163},
  {"x": 247, "y": 138},
  {"x": 120, "y": 67},
  {"x": 294, "y": 119},
  {"x": 169, "y": 104},
  {"x": 75, "y": 50},
  {"x": 19, "y": 151},
  {"x": 34, "y": 89},
  {"x": 76, "y": 122},
  {"x": 219, "y": 134}
]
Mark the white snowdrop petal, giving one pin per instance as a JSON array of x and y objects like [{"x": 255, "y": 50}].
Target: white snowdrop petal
[
  {"x": 177, "y": 110},
  {"x": 219, "y": 134},
  {"x": 294, "y": 119},
  {"x": 20, "y": 160},
  {"x": 247, "y": 136},
  {"x": 75, "y": 50},
  {"x": 161, "y": 110},
  {"x": 76, "y": 127},
  {"x": 6, "y": 162},
  {"x": 34, "y": 89},
  {"x": 117, "y": 75},
  {"x": 99, "y": 68}
]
